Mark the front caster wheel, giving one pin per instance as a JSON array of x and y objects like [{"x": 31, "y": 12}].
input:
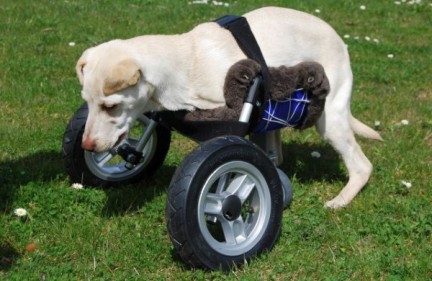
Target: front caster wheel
[
  {"x": 225, "y": 204},
  {"x": 108, "y": 168}
]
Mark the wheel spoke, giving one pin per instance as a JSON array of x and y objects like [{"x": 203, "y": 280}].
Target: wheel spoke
[
  {"x": 222, "y": 182},
  {"x": 234, "y": 231},
  {"x": 241, "y": 186},
  {"x": 132, "y": 141},
  {"x": 102, "y": 158},
  {"x": 213, "y": 204}
]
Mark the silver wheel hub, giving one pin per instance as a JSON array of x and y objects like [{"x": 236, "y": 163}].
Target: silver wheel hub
[{"x": 234, "y": 208}]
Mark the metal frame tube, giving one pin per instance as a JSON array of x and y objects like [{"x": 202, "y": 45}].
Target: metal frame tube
[{"x": 271, "y": 143}]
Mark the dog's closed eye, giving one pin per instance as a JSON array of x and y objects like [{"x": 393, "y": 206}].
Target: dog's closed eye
[{"x": 108, "y": 107}]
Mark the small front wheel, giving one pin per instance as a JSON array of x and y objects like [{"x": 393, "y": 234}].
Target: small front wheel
[
  {"x": 108, "y": 168},
  {"x": 225, "y": 204}
]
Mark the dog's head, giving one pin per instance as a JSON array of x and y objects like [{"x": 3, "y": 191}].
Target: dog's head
[{"x": 115, "y": 90}]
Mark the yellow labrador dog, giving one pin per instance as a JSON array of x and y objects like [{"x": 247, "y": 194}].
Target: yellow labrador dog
[{"x": 122, "y": 79}]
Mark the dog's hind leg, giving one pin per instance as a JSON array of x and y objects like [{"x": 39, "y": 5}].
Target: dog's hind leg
[
  {"x": 334, "y": 126},
  {"x": 341, "y": 137}
]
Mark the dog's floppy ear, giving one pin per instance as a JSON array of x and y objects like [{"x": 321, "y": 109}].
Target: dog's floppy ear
[
  {"x": 121, "y": 76},
  {"x": 79, "y": 68}
]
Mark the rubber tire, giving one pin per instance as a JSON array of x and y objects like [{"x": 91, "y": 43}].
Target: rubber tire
[
  {"x": 77, "y": 168},
  {"x": 184, "y": 192}
]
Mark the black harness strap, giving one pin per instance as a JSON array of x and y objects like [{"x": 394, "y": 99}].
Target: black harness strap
[{"x": 240, "y": 29}]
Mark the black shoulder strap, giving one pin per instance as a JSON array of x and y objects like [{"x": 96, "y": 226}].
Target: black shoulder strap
[{"x": 240, "y": 29}]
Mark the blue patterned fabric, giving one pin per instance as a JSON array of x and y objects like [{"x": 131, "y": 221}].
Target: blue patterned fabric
[{"x": 286, "y": 113}]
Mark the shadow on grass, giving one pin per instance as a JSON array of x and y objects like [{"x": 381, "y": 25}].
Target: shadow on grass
[
  {"x": 123, "y": 199},
  {"x": 8, "y": 256},
  {"x": 298, "y": 162},
  {"x": 39, "y": 167},
  {"x": 46, "y": 166}
]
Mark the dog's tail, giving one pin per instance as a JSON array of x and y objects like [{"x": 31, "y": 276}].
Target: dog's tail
[{"x": 363, "y": 130}]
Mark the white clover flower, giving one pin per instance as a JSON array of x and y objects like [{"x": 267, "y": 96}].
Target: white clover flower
[
  {"x": 376, "y": 40},
  {"x": 20, "y": 212},
  {"x": 317, "y": 11},
  {"x": 346, "y": 36},
  {"x": 406, "y": 184},
  {"x": 390, "y": 56},
  {"x": 315, "y": 154},
  {"x": 77, "y": 186},
  {"x": 199, "y": 2},
  {"x": 72, "y": 44},
  {"x": 405, "y": 122},
  {"x": 363, "y": 7},
  {"x": 367, "y": 38},
  {"x": 397, "y": 2},
  {"x": 377, "y": 123}
]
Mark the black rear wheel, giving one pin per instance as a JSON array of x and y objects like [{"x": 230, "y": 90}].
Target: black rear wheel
[{"x": 225, "y": 204}]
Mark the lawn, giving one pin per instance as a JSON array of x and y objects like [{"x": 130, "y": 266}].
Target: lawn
[{"x": 120, "y": 233}]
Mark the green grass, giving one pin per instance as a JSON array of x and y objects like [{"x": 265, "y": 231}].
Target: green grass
[{"x": 120, "y": 234}]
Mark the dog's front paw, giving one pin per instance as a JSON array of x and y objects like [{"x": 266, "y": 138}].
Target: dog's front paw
[{"x": 336, "y": 203}]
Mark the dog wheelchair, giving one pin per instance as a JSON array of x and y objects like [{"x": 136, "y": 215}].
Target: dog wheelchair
[{"x": 226, "y": 199}]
